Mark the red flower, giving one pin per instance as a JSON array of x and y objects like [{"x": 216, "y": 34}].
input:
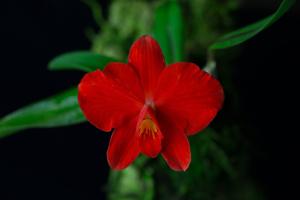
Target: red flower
[{"x": 152, "y": 107}]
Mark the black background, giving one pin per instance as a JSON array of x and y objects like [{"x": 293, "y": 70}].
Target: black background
[{"x": 70, "y": 163}]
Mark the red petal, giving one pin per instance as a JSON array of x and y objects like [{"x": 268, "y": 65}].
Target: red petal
[
  {"x": 146, "y": 57},
  {"x": 104, "y": 102},
  {"x": 176, "y": 148},
  {"x": 123, "y": 146},
  {"x": 192, "y": 100},
  {"x": 124, "y": 75}
]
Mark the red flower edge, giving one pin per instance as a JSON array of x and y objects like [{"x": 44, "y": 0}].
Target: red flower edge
[{"x": 152, "y": 107}]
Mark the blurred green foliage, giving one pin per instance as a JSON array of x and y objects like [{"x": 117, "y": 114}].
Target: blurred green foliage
[
  {"x": 206, "y": 20},
  {"x": 135, "y": 182},
  {"x": 168, "y": 29},
  {"x": 126, "y": 21}
]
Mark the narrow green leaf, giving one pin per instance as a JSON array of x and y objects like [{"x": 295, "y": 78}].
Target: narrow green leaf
[
  {"x": 246, "y": 33},
  {"x": 81, "y": 60},
  {"x": 168, "y": 30},
  {"x": 59, "y": 110}
]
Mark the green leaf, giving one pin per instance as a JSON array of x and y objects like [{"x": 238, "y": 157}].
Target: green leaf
[
  {"x": 59, "y": 110},
  {"x": 246, "y": 33},
  {"x": 168, "y": 30},
  {"x": 81, "y": 60}
]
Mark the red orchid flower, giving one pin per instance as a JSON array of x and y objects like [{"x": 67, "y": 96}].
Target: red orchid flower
[{"x": 152, "y": 107}]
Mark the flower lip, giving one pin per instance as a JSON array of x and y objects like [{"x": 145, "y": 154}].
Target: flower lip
[
  {"x": 146, "y": 118},
  {"x": 148, "y": 132},
  {"x": 147, "y": 128}
]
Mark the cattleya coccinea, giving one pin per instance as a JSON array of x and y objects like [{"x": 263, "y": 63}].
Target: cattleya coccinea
[{"x": 152, "y": 107}]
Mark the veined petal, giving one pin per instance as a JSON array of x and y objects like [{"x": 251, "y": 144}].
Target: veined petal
[
  {"x": 105, "y": 102},
  {"x": 192, "y": 100},
  {"x": 176, "y": 148},
  {"x": 123, "y": 146},
  {"x": 147, "y": 59}
]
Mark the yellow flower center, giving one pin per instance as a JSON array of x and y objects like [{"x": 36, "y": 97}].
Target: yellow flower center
[{"x": 147, "y": 128}]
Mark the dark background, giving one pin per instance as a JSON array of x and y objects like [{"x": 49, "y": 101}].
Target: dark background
[{"x": 70, "y": 162}]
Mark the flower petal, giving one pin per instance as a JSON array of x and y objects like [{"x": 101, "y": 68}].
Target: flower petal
[
  {"x": 123, "y": 146},
  {"x": 192, "y": 100},
  {"x": 124, "y": 75},
  {"x": 146, "y": 57},
  {"x": 176, "y": 148},
  {"x": 104, "y": 102}
]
